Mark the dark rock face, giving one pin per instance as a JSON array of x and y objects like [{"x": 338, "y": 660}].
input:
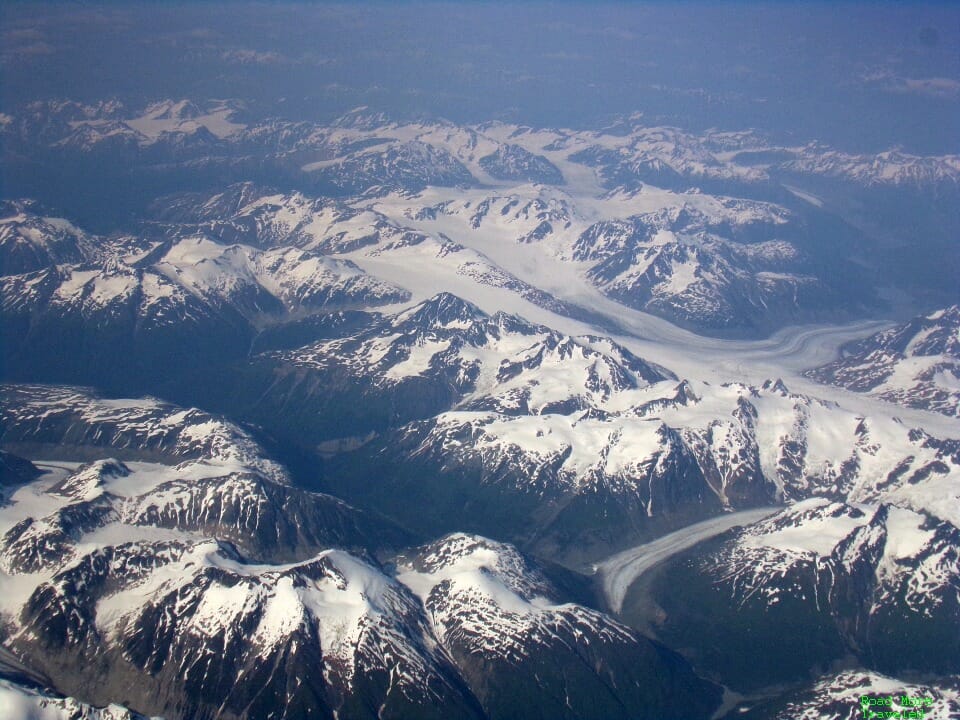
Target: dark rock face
[{"x": 15, "y": 470}]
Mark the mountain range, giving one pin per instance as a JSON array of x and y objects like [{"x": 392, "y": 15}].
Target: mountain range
[{"x": 380, "y": 418}]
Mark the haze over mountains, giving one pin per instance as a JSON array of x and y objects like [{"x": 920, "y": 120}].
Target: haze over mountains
[{"x": 407, "y": 397}]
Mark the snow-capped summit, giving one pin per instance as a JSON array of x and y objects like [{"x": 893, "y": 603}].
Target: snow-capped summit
[
  {"x": 91, "y": 480},
  {"x": 407, "y": 166},
  {"x": 443, "y": 311},
  {"x": 499, "y": 617},
  {"x": 440, "y": 353},
  {"x": 30, "y": 241},
  {"x": 334, "y": 630},
  {"x": 71, "y": 297}
]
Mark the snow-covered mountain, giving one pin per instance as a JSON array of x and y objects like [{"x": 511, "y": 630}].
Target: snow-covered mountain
[
  {"x": 67, "y": 417},
  {"x": 892, "y": 167},
  {"x": 669, "y": 264},
  {"x": 684, "y": 258},
  {"x": 31, "y": 242},
  {"x": 252, "y": 281},
  {"x": 411, "y": 254},
  {"x": 184, "y": 472},
  {"x": 116, "y": 561},
  {"x": 444, "y": 333},
  {"x": 625, "y": 153},
  {"x": 514, "y": 162},
  {"x": 109, "y": 125},
  {"x": 329, "y": 635},
  {"x": 264, "y": 218},
  {"x": 552, "y": 433},
  {"x": 713, "y": 263},
  {"x": 707, "y": 275},
  {"x": 429, "y": 358},
  {"x": 501, "y": 619},
  {"x": 575, "y": 476},
  {"x": 915, "y": 364},
  {"x": 71, "y": 300},
  {"x": 874, "y": 581},
  {"x": 405, "y": 166},
  {"x": 122, "y": 576}
]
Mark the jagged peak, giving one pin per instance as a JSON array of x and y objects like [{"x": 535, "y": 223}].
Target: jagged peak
[{"x": 443, "y": 310}]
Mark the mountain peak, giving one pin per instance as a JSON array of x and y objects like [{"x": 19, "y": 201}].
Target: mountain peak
[{"x": 444, "y": 310}]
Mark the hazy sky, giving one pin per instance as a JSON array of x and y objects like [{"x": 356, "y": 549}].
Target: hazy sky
[{"x": 860, "y": 76}]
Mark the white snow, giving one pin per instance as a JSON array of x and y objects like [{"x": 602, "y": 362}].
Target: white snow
[
  {"x": 681, "y": 277},
  {"x": 168, "y": 117},
  {"x": 32, "y": 499},
  {"x": 283, "y": 614},
  {"x": 476, "y": 571},
  {"x": 817, "y": 535},
  {"x": 419, "y": 360},
  {"x": 905, "y": 539}
]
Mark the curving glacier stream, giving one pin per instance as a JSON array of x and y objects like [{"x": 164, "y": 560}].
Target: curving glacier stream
[{"x": 618, "y": 572}]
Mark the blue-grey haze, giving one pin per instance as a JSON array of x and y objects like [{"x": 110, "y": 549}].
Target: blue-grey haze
[{"x": 863, "y": 77}]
